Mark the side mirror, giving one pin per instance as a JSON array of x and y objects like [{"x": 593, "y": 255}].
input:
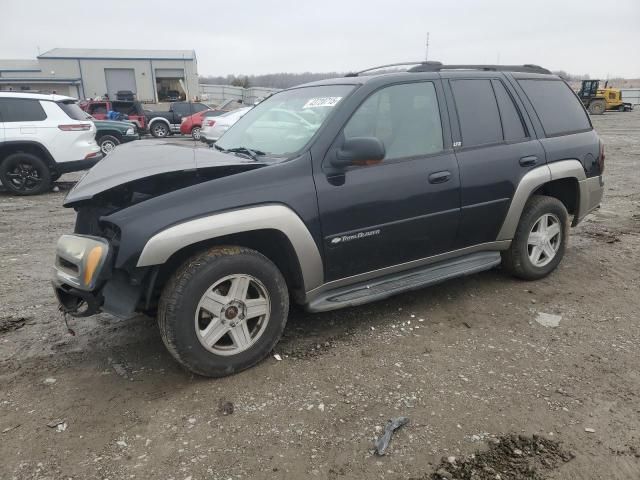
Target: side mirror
[{"x": 359, "y": 151}]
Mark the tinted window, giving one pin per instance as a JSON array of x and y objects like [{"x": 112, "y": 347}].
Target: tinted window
[
  {"x": 556, "y": 105},
  {"x": 181, "y": 108},
  {"x": 511, "y": 120},
  {"x": 404, "y": 117},
  {"x": 73, "y": 110},
  {"x": 21, "y": 110},
  {"x": 477, "y": 112}
]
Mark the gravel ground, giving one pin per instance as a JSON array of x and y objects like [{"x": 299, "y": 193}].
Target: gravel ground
[{"x": 466, "y": 361}]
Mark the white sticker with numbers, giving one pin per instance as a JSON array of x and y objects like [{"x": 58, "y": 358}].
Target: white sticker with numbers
[{"x": 322, "y": 102}]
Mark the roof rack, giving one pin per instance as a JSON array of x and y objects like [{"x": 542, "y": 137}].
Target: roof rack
[{"x": 438, "y": 67}]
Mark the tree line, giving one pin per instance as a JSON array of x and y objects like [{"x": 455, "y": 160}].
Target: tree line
[{"x": 270, "y": 80}]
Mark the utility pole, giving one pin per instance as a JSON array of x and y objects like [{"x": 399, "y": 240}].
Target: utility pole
[{"x": 426, "y": 56}]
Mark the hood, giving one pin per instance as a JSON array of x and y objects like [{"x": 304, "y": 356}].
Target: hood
[{"x": 148, "y": 158}]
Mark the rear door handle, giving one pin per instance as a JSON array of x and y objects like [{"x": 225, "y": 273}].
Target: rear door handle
[
  {"x": 529, "y": 161},
  {"x": 440, "y": 177}
]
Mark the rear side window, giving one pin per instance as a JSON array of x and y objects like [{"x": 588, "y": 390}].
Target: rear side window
[
  {"x": 557, "y": 106},
  {"x": 21, "y": 110},
  {"x": 73, "y": 110},
  {"x": 404, "y": 117},
  {"x": 511, "y": 120},
  {"x": 477, "y": 111}
]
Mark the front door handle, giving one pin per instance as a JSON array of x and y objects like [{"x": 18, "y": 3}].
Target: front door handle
[
  {"x": 529, "y": 161},
  {"x": 440, "y": 177}
]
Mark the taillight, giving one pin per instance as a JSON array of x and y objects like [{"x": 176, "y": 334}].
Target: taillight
[
  {"x": 210, "y": 123},
  {"x": 75, "y": 127},
  {"x": 601, "y": 158}
]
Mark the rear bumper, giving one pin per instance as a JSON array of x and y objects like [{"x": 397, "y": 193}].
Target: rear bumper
[
  {"x": 591, "y": 193},
  {"x": 78, "y": 165}
]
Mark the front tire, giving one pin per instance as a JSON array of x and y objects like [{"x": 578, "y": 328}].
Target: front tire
[
  {"x": 25, "y": 174},
  {"x": 540, "y": 239},
  {"x": 223, "y": 311},
  {"x": 108, "y": 143},
  {"x": 195, "y": 133},
  {"x": 597, "y": 107}
]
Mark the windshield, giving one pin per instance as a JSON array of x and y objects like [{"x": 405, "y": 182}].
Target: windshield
[{"x": 286, "y": 121}]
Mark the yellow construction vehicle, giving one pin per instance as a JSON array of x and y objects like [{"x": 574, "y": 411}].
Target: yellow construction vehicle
[{"x": 597, "y": 100}]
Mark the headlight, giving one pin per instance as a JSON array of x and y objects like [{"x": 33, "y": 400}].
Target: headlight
[
  {"x": 131, "y": 131},
  {"x": 79, "y": 260}
]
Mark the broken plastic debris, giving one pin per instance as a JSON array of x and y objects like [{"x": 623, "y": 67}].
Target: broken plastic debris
[
  {"x": 589, "y": 430},
  {"x": 277, "y": 357},
  {"x": 49, "y": 381},
  {"x": 382, "y": 442},
  {"x": 548, "y": 320},
  {"x": 55, "y": 423}
]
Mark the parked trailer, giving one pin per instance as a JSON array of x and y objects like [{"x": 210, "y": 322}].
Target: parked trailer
[{"x": 631, "y": 95}]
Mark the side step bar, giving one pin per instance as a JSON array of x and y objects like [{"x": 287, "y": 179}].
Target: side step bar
[{"x": 385, "y": 287}]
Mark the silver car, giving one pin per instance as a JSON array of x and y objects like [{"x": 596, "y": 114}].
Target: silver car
[{"x": 214, "y": 127}]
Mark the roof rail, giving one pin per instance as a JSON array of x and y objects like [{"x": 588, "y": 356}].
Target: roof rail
[{"x": 438, "y": 67}]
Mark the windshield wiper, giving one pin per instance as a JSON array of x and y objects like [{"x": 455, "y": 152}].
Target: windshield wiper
[{"x": 253, "y": 154}]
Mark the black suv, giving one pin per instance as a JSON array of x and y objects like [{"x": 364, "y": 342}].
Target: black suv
[{"x": 332, "y": 194}]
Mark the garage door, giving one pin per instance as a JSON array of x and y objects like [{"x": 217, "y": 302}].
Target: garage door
[
  {"x": 169, "y": 73},
  {"x": 120, "y": 79}
]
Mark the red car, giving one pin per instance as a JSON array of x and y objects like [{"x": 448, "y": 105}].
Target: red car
[{"x": 191, "y": 125}]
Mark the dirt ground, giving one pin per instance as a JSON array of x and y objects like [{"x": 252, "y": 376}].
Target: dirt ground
[{"x": 466, "y": 361}]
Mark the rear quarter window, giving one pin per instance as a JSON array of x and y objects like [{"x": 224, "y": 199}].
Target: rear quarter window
[
  {"x": 557, "y": 107},
  {"x": 21, "y": 110},
  {"x": 73, "y": 110}
]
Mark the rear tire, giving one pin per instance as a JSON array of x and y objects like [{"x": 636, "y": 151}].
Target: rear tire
[
  {"x": 195, "y": 133},
  {"x": 540, "y": 239},
  {"x": 25, "y": 174},
  {"x": 159, "y": 130},
  {"x": 223, "y": 311},
  {"x": 597, "y": 107}
]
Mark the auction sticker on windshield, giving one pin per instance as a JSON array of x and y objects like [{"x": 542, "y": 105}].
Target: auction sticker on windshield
[{"x": 322, "y": 102}]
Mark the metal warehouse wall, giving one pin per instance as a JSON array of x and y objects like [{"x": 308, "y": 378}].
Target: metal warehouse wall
[{"x": 94, "y": 79}]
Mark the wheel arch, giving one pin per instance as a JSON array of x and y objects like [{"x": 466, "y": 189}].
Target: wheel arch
[
  {"x": 159, "y": 119},
  {"x": 113, "y": 133},
  {"x": 34, "y": 148},
  {"x": 563, "y": 180},
  {"x": 271, "y": 243},
  {"x": 273, "y": 230}
]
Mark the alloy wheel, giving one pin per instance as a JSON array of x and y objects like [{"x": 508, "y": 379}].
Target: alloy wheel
[
  {"x": 544, "y": 240},
  {"x": 24, "y": 177},
  {"x": 232, "y": 314}
]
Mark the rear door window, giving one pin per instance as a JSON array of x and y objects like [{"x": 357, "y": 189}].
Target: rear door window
[
  {"x": 512, "y": 126},
  {"x": 558, "y": 108},
  {"x": 405, "y": 118},
  {"x": 477, "y": 112},
  {"x": 21, "y": 110}
]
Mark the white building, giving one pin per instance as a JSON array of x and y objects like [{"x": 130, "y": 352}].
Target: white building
[{"x": 90, "y": 73}]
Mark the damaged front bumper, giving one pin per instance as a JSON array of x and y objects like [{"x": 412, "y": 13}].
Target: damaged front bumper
[{"x": 80, "y": 266}]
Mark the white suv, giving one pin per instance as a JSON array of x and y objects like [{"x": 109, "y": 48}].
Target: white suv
[{"x": 42, "y": 137}]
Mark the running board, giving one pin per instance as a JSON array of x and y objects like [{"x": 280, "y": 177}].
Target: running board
[{"x": 385, "y": 287}]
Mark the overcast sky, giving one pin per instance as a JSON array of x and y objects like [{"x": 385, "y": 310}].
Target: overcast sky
[{"x": 254, "y": 36}]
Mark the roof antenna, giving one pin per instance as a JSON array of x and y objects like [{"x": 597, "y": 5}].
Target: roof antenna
[{"x": 426, "y": 55}]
